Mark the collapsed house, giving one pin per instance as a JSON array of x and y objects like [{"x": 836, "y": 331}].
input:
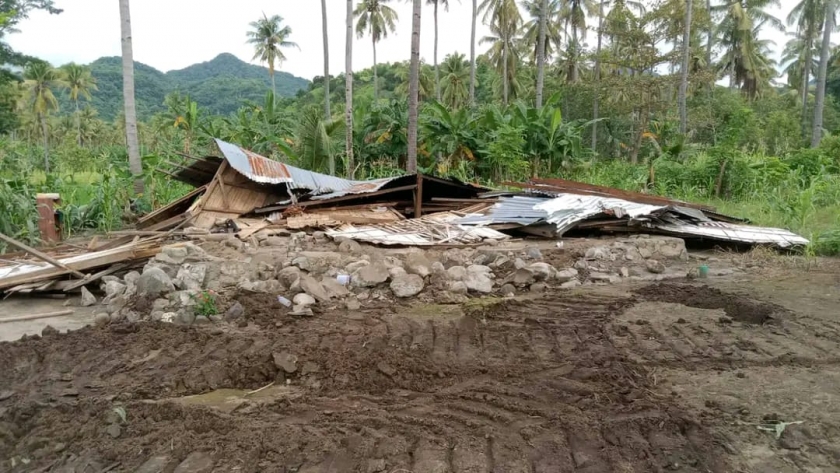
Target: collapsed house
[{"x": 241, "y": 193}]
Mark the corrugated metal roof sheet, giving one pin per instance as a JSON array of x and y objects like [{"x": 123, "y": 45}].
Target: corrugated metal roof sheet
[
  {"x": 738, "y": 233},
  {"x": 568, "y": 209},
  {"x": 435, "y": 229},
  {"x": 516, "y": 209}
]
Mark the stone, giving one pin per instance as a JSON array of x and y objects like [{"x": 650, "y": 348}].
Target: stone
[
  {"x": 191, "y": 276},
  {"x": 566, "y": 275},
  {"x": 479, "y": 282},
  {"x": 88, "y": 299},
  {"x": 570, "y": 284},
  {"x": 370, "y": 276},
  {"x": 154, "y": 465},
  {"x": 355, "y": 266},
  {"x": 654, "y": 266},
  {"x": 102, "y": 318},
  {"x": 130, "y": 281},
  {"x": 457, "y": 273},
  {"x": 417, "y": 263},
  {"x": 352, "y": 304},
  {"x": 534, "y": 253},
  {"x": 169, "y": 317},
  {"x": 201, "y": 320},
  {"x": 317, "y": 262},
  {"x": 172, "y": 255},
  {"x": 386, "y": 369},
  {"x": 396, "y": 272},
  {"x": 285, "y": 361},
  {"x": 601, "y": 277},
  {"x": 438, "y": 268},
  {"x": 793, "y": 437},
  {"x": 581, "y": 264},
  {"x": 304, "y": 300},
  {"x": 319, "y": 237},
  {"x": 273, "y": 242},
  {"x": 479, "y": 269},
  {"x": 521, "y": 277},
  {"x": 310, "y": 367},
  {"x": 454, "y": 257},
  {"x": 289, "y": 276},
  {"x": 235, "y": 311},
  {"x": 114, "y": 430},
  {"x": 598, "y": 253},
  {"x": 408, "y": 285},
  {"x": 645, "y": 253},
  {"x": 113, "y": 289},
  {"x": 376, "y": 466},
  {"x": 349, "y": 247},
  {"x": 313, "y": 288},
  {"x": 458, "y": 287},
  {"x": 508, "y": 289},
  {"x": 160, "y": 304},
  {"x": 500, "y": 262},
  {"x": 196, "y": 462},
  {"x": 333, "y": 288},
  {"x": 185, "y": 317},
  {"x": 301, "y": 311},
  {"x": 519, "y": 263},
  {"x": 116, "y": 304},
  {"x": 625, "y": 273},
  {"x": 49, "y": 330},
  {"x": 154, "y": 282},
  {"x": 542, "y": 271},
  {"x": 538, "y": 287}
]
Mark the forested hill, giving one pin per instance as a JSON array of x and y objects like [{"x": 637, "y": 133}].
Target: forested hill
[{"x": 220, "y": 86}]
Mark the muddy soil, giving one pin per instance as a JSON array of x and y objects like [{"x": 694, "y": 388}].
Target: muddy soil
[{"x": 599, "y": 380}]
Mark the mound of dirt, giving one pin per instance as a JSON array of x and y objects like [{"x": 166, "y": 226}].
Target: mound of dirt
[
  {"x": 528, "y": 386},
  {"x": 738, "y": 307}
]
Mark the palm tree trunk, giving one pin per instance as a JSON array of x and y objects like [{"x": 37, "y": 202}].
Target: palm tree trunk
[
  {"x": 273, "y": 86},
  {"x": 78, "y": 123},
  {"x": 686, "y": 46},
  {"x": 505, "y": 71},
  {"x": 575, "y": 52},
  {"x": 595, "y": 96},
  {"x": 43, "y": 119},
  {"x": 709, "y": 36},
  {"x": 134, "y": 163},
  {"x": 806, "y": 78},
  {"x": 816, "y": 134},
  {"x": 541, "y": 53},
  {"x": 327, "y": 113},
  {"x": 437, "y": 69},
  {"x": 348, "y": 92},
  {"x": 375, "y": 74},
  {"x": 414, "y": 87},
  {"x": 472, "y": 53}
]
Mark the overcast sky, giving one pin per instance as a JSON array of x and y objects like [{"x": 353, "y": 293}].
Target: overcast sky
[{"x": 173, "y": 34}]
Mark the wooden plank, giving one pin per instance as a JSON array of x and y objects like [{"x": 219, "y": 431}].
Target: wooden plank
[
  {"x": 42, "y": 256},
  {"x": 250, "y": 230},
  {"x": 344, "y": 198},
  {"x": 195, "y": 193},
  {"x": 46, "y": 315},
  {"x": 166, "y": 224},
  {"x": 418, "y": 197},
  {"x": 96, "y": 277}
]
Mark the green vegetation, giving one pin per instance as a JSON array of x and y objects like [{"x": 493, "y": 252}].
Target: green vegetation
[{"x": 610, "y": 116}]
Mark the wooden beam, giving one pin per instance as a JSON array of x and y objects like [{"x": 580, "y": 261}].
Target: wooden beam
[
  {"x": 418, "y": 197},
  {"x": 309, "y": 203},
  {"x": 97, "y": 276},
  {"x": 42, "y": 256},
  {"x": 36, "y": 316}
]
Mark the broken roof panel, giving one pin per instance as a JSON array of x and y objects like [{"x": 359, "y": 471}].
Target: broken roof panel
[
  {"x": 736, "y": 233},
  {"x": 517, "y": 209},
  {"x": 431, "y": 230}
]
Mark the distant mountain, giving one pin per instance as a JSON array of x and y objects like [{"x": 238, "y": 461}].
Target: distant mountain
[{"x": 219, "y": 86}]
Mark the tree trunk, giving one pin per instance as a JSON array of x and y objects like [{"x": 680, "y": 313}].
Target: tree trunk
[
  {"x": 472, "y": 53},
  {"x": 134, "y": 162},
  {"x": 541, "y": 53},
  {"x": 595, "y": 96},
  {"x": 78, "y": 123},
  {"x": 414, "y": 87},
  {"x": 806, "y": 77},
  {"x": 816, "y": 134},
  {"x": 348, "y": 92},
  {"x": 505, "y": 71},
  {"x": 273, "y": 87},
  {"x": 575, "y": 54},
  {"x": 327, "y": 113},
  {"x": 686, "y": 54},
  {"x": 709, "y": 36},
  {"x": 375, "y": 74},
  {"x": 43, "y": 119},
  {"x": 437, "y": 68}
]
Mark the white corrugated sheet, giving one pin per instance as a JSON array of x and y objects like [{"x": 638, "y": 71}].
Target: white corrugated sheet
[
  {"x": 568, "y": 209},
  {"x": 736, "y": 233},
  {"x": 435, "y": 229}
]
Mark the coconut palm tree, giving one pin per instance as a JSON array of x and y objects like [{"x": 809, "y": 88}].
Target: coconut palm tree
[
  {"x": 541, "y": 43},
  {"x": 40, "y": 81},
  {"x": 414, "y": 85},
  {"x": 269, "y": 37},
  {"x": 504, "y": 19},
  {"x": 436, "y": 4},
  {"x": 425, "y": 83},
  {"x": 530, "y": 34},
  {"x": 327, "y": 113},
  {"x": 748, "y": 61},
  {"x": 132, "y": 143},
  {"x": 686, "y": 50},
  {"x": 348, "y": 92},
  {"x": 807, "y": 15},
  {"x": 454, "y": 81},
  {"x": 737, "y": 34},
  {"x": 504, "y": 55},
  {"x": 376, "y": 18},
  {"x": 80, "y": 82},
  {"x": 574, "y": 14},
  {"x": 472, "y": 51},
  {"x": 819, "y": 102}
]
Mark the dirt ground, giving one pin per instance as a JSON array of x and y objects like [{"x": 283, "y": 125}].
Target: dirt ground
[{"x": 677, "y": 376}]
